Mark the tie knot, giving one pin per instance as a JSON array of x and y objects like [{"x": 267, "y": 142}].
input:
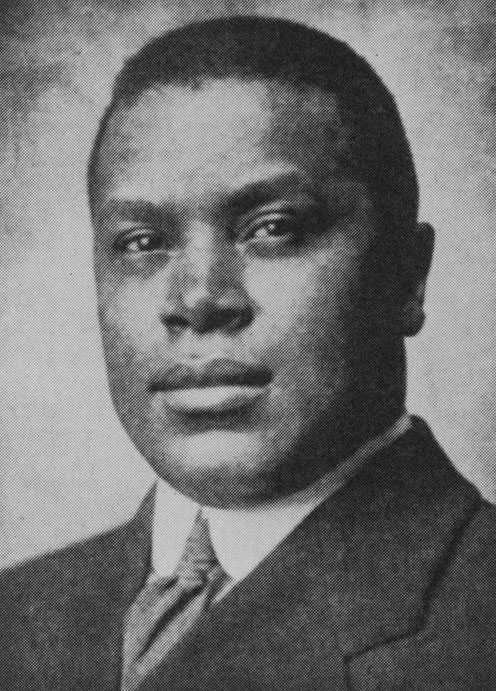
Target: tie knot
[{"x": 198, "y": 563}]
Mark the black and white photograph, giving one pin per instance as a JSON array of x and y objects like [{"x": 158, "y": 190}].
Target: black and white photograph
[{"x": 247, "y": 345}]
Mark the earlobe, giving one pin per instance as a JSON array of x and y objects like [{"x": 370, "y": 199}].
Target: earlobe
[
  {"x": 412, "y": 314},
  {"x": 412, "y": 317}
]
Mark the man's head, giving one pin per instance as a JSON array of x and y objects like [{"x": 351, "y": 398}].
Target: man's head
[{"x": 257, "y": 256}]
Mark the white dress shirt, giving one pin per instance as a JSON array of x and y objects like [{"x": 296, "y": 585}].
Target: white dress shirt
[{"x": 242, "y": 538}]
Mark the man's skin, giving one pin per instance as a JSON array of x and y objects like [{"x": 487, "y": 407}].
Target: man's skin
[{"x": 230, "y": 224}]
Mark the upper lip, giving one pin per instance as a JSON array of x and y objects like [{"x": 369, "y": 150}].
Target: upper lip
[{"x": 215, "y": 372}]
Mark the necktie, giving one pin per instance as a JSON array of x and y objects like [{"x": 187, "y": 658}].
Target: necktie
[{"x": 168, "y": 607}]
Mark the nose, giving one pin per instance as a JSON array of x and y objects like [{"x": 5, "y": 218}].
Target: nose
[{"x": 206, "y": 290}]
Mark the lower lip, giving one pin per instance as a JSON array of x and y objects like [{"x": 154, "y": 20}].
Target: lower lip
[{"x": 212, "y": 399}]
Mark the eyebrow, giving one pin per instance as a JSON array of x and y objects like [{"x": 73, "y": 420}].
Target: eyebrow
[
  {"x": 262, "y": 191},
  {"x": 136, "y": 211}
]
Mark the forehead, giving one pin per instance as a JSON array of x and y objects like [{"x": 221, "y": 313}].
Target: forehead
[{"x": 177, "y": 136}]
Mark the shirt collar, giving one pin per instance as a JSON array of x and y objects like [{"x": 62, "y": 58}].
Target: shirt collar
[{"x": 243, "y": 537}]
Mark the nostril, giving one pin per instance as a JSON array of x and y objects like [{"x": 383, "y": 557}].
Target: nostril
[
  {"x": 212, "y": 315},
  {"x": 207, "y": 313},
  {"x": 175, "y": 321},
  {"x": 238, "y": 318}
]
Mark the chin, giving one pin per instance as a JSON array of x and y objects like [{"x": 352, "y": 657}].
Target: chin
[{"x": 218, "y": 468}]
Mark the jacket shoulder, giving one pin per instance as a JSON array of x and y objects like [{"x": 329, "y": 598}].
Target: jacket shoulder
[
  {"x": 82, "y": 565},
  {"x": 57, "y": 575},
  {"x": 61, "y": 613}
]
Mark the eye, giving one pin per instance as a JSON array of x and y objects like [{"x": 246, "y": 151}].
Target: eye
[
  {"x": 140, "y": 241},
  {"x": 272, "y": 230}
]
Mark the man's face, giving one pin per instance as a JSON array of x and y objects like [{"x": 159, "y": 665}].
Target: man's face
[{"x": 231, "y": 246}]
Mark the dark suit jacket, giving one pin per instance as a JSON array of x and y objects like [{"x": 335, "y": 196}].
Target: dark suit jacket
[{"x": 390, "y": 584}]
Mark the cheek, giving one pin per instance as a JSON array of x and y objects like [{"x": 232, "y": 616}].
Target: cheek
[
  {"x": 130, "y": 331},
  {"x": 311, "y": 306},
  {"x": 128, "y": 314}
]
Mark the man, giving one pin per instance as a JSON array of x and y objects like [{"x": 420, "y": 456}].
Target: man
[{"x": 258, "y": 264}]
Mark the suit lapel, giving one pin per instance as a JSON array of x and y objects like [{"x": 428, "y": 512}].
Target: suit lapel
[
  {"x": 115, "y": 568},
  {"x": 355, "y": 574},
  {"x": 395, "y": 524}
]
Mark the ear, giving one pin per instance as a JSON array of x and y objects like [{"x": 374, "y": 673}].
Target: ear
[{"x": 411, "y": 313}]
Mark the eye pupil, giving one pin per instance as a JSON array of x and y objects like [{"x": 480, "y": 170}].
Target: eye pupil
[
  {"x": 140, "y": 243},
  {"x": 263, "y": 230},
  {"x": 272, "y": 228}
]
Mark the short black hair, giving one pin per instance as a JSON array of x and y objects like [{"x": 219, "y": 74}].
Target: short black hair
[{"x": 255, "y": 47}]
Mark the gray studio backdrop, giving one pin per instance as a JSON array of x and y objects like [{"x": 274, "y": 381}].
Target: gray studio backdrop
[{"x": 66, "y": 468}]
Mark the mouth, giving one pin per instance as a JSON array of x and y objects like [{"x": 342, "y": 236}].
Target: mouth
[
  {"x": 212, "y": 399},
  {"x": 213, "y": 387}
]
